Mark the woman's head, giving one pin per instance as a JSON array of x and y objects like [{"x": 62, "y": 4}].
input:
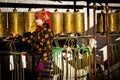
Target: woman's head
[{"x": 43, "y": 17}]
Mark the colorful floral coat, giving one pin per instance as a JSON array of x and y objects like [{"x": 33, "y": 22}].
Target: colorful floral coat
[{"x": 42, "y": 41}]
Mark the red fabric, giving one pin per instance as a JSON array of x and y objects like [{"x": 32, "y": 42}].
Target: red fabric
[
  {"x": 49, "y": 22},
  {"x": 24, "y": 54},
  {"x": 44, "y": 16},
  {"x": 39, "y": 67},
  {"x": 48, "y": 13},
  {"x": 38, "y": 29},
  {"x": 39, "y": 16}
]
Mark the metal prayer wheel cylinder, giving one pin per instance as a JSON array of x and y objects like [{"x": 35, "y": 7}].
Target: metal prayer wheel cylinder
[
  {"x": 3, "y": 24},
  {"x": 119, "y": 22},
  {"x": 68, "y": 22},
  {"x": 101, "y": 23},
  {"x": 113, "y": 22},
  {"x": 57, "y": 22},
  {"x": 16, "y": 22},
  {"x": 30, "y": 25},
  {"x": 79, "y": 22}
]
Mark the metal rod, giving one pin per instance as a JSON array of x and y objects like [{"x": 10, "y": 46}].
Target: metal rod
[
  {"x": 94, "y": 16},
  {"x": 74, "y": 5},
  {"x": 114, "y": 35},
  {"x": 88, "y": 19},
  {"x": 62, "y": 67},
  {"x": 28, "y": 5},
  {"x": 66, "y": 68},
  {"x": 12, "y": 75},
  {"x": 0, "y": 71},
  {"x": 108, "y": 42},
  {"x": 114, "y": 44},
  {"x": 73, "y": 37},
  {"x": 111, "y": 35},
  {"x": 98, "y": 1},
  {"x": 88, "y": 27},
  {"x": 76, "y": 65},
  {"x": 23, "y": 74},
  {"x": 18, "y": 75}
]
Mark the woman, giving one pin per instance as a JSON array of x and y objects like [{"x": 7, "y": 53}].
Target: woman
[
  {"x": 42, "y": 40},
  {"x": 43, "y": 45}
]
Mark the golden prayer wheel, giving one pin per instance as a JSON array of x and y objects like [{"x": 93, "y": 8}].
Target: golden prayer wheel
[
  {"x": 30, "y": 25},
  {"x": 79, "y": 22},
  {"x": 68, "y": 25},
  {"x": 16, "y": 22},
  {"x": 119, "y": 22},
  {"x": 57, "y": 22},
  {"x": 113, "y": 22},
  {"x": 101, "y": 22},
  {"x": 3, "y": 24}
]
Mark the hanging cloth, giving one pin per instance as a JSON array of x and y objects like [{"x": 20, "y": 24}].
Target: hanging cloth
[{"x": 56, "y": 51}]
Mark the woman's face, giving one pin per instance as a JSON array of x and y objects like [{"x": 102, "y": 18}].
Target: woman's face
[{"x": 39, "y": 22}]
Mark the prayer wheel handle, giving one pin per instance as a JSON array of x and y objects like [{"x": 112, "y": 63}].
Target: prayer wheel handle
[
  {"x": 29, "y": 9},
  {"x": 55, "y": 10},
  {"x": 67, "y": 10},
  {"x": 14, "y": 10}
]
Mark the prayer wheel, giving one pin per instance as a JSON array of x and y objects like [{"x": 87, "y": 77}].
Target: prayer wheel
[
  {"x": 79, "y": 22},
  {"x": 68, "y": 25},
  {"x": 119, "y": 22},
  {"x": 113, "y": 22},
  {"x": 101, "y": 22},
  {"x": 3, "y": 24},
  {"x": 30, "y": 25},
  {"x": 16, "y": 22},
  {"x": 57, "y": 22}
]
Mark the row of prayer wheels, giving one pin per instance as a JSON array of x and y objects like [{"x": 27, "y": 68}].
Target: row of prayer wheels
[
  {"x": 67, "y": 22},
  {"x": 113, "y": 22},
  {"x": 70, "y": 22},
  {"x": 17, "y": 22},
  {"x": 21, "y": 22}
]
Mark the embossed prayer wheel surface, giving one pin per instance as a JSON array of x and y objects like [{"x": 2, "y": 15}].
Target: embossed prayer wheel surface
[
  {"x": 3, "y": 24},
  {"x": 79, "y": 22},
  {"x": 57, "y": 22},
  {"x": 68, "y": 22},
  {"x": 30, "y": 25},
  {"x": 113, "y": 22},
  {"x": 16, "y": 22},
  {"x": 101, "y": 23}
]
